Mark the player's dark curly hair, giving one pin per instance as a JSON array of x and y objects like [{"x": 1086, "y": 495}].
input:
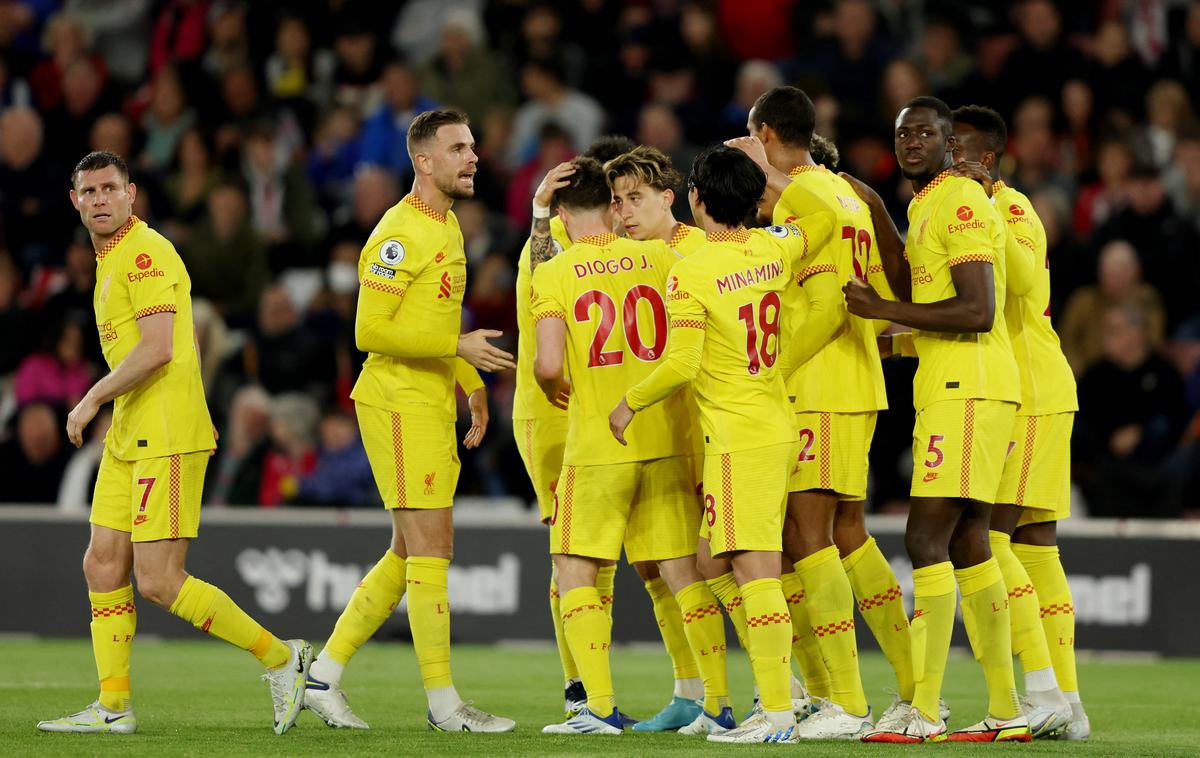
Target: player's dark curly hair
[
  {"x": 944, "y": 117},
  {"x": 728, "y": 183},
  {"x": 97, "y": 160},
  {"x": 824, "y": 152},
  {"x": 789, "y": 112},
  {"x": 988, "y": 122},
  {"x": 588, "y": 189},
  {"x": 605, "y": 148}
]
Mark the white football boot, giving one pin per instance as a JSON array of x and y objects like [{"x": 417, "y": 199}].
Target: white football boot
[
  {"x": 287, "y": 685},
  {"x": 95, "y": 719}
]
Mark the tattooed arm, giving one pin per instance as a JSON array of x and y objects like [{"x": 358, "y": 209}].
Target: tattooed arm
[{"x": 541, "y": 244}]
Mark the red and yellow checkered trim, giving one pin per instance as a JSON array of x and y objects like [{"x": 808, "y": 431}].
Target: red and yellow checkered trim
[
  {"x": 970, "y": 258},
  {"x": 964, "y": 480},
  {"x": 114, "y": 610},
  {"x": 398, "y": 460},
  {"x": 727, "y": 501},
  {"x": 389, "y": 289},
  {"x": 796, "y": 597},
  {"x": 826, "y": 445},
  {"x": 152, "y": 310},
  {"x": 702, "y": 612},
  {"x": 734, "y": 602},
  {"x": 553, "y": 594},
  {"x": 737, "y": 235},
  {"x": 820, "y": 268},
  {"x": 875, "y": 268},
  {"x": 116, "y": 238},
  {"x": 846, "y": 625},
  {"x": 1022, "y": 591},
  {"x": 549, "y": 314},
  {"x": 599, "y": 240},
  {"x": 1026, "y": 458},
  {"x": 769, "y": 618},
  {"x": 924, "y": 193},
  {"x": 606, "y": 600},
  {"x": 173, "y": 495},
  {"x": 879, "y": 599},
  {"x": 563, "y": 510},
  {"x": 798, "y": 170},
  {"x": 567, "y": 616},
  {"x": 681, "y": 233},
  {"x": 424, "y": 207},
  {"x": 1056, "y": 608},
  {"x": 997, "y": 186},
  {"x": 687, "y": 323}
]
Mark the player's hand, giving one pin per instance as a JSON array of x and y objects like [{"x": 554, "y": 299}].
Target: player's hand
[
  {"x": 79, "y": 418},
  {"x": 474, "y": 348},
  {"x": 557, "y": 178},
  {"x": 884, "y": 341},
  {"x": 861, "y": 299},
  {"x": 1125, "y": 440},
  {"x": 974, "y": 170},
  {"x": 477, "y": 402},
  {"x": 751, "y": 146},
  {"x": 216, "y": 436},
  {"x": 562, "y": 395},
  {"x": 619, "y": 419},
  {"x": 862, "y": 189}
]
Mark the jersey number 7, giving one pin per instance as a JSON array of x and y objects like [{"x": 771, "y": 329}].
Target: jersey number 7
[
  {"x": 761, "y": 353},
  {"x": 597, "y": 355}
]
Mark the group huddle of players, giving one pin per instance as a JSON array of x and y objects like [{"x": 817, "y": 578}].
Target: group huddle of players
[{"x": 705, "y": 398}]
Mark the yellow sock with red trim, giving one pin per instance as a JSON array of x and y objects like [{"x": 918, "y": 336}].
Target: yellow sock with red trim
[
  {"x": 1057, "y": 608},
  {"x": 373, "y": 601},
  {"x": 114, "y": 620},
  {"x": 805, "y": 650},
  {"x": 570, "y": 670},
  {"x": 769, "y": 633},
  {"x": 669, "y": 615},
  {"x": 989, "y": 627},
  {"x": 830, "y": 604},
  {"x": 882, "y": 606},
  {"x": 210, "y": 610},
  {"x": 729, "y": 595},
  {"x": 429, "y": 618},
  {"x": 589, "y": 632},
  {"x": 605, "y": 578},
  {"x": 932, "y": 624},
  {"x": 1028, "y": 637},
  {"x": 704, "y": 627}
]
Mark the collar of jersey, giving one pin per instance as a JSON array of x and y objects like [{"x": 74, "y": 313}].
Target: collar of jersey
[
  {"x": 737, "y": 235},
  {"x": 116, "y": 238},
  {"x": 424, "y": 207},
  {"x": 681, "y": 233},
  {"x": 928, "y": 188},
  {"x": 599, "y": 240},
  {"x": 797, "y": 170},
  {"x": 997, "y": 186}
]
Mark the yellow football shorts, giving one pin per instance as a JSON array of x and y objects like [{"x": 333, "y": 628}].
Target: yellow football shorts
[
  {"x": 959, "y": 448},
  {"x": 745, "y": 496},
  {"x": 414, "y": 458},
  {"x": 541, "y": 442},
  {"x": 1037, "y": 474},
  {"x": 647, "y": 506},
  {"x": 152, "y": 498},
  {"x": 833, "y": 453}
]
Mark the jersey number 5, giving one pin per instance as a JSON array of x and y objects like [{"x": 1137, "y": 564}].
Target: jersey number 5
[
  {"x": 597, "y": 355},
  {"x": 762, "y": 353}
]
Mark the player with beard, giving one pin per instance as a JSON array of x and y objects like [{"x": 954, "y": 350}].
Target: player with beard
[
  {"x": 412, "y": 275},
  {"x": 950, "y": 278}
]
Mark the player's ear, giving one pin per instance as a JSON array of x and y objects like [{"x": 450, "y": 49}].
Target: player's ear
[
  {"x": 132, "y": 191},
  {"x": 74, "y": 199},
  {"x": 668, "y": 198}
]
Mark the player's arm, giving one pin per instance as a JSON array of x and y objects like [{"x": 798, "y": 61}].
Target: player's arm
[
  {"x": 825, "y": 315},
  {"x": 471, "y": 383},
  {"x": 887, "y": 240},
  {"x": 1021, "y": 256},
  {"x": 541, "y": 243},
  {"x": 777, "y": 181},
  {"x": 549, "y": 364},
  {"x": 971, "y": 310},
  {"x": 153, "y": 351}
]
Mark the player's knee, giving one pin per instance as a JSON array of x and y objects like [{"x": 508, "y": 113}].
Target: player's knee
[
  {"x": 103, "y": 569},
  {"x": 923, "y": 550},
  {"x": 647, "y": 570},
  {"x": 157, "y": 588}
]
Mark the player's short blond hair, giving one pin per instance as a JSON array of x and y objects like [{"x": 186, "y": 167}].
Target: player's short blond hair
[{"x": 646, "y": 165}]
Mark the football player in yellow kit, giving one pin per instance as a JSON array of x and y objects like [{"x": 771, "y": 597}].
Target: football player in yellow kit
[
  {"x": 1035, "y": 490},
  {"x": 950, "y": 278}
]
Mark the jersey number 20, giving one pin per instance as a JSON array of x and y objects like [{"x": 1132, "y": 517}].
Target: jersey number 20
[{"x": 597, "y": 355}]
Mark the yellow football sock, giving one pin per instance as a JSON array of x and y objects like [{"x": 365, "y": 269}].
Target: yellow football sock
[
  {"x": 429, "y": 618},
  {"x": 705, "y": 629},
  {"x": 1057, "y": 608},
  {"x": 570, "y": 671},
  {"x": 605, "y": 577},
  {"x": 989, "y": 628},
  {"x": 805, "y": 650},
  {"x": 729, "y": 595},
  {"x": 589, "y": 632},
  {"x": 211, "y": 610},
  {"x": 114, "y": 619},
  {"x": 769, "y": 633},
  {"x": 372, "y": 602},
  {"x": 882, "y": 606},
  {"x": 1028, "y": 637},
  {"x": 668, "y": 613},
  {"x": 830, "y": 604},
  {"x": 932, "y": 624}
]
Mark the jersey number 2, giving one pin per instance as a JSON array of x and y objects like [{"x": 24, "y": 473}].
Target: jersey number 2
[{"x": 597, "y": 355}]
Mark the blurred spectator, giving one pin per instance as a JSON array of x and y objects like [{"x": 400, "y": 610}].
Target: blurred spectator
[
  {"x": 333, "y": 158},
  {"x": 1042, "y": 60},
  {"x": 659, "y": 127},
  {"x": 542, "y": 38},
  {"x": 282, "y": 203},
  {"x": 754, "y": 77},
  {"x": 385, "y": 133},
  {"x": 491, "y": 300},
  {"x": 1119, "y": 283},
  {"x": 212, "y": 338},
  {"x": 74, "y": 302},
  {"x": 1182, "y": 178},
  {"x": 1115, "y": 64},
  {"x": 553, "y": 147},
  {"x": 180, "y": 33},
  {"x": 902, "y": 81},
  {"x": 1131, "y": 414},
  {"x": 112, "y": 132},
  {"x": 120, "y": 31},
  {"x": 229, "y": 44},
  {"x": 1167, "y": 111},
  {"x": 39, "y": 452},
  {"x": 418, "y": 28},
  {"x": 59, "y": 375},
  {"x": 342, "y": 475},
  {"x": 21, "y": 22},
  {"x": 34, "y": 221},
  {"x": 67, "y": 40},
  {"x": 1103, "y": 198},
  {"x": 225, "y": 258},
  {"x": 13, "y": 319},
  {"x": 237, "y": 474},
  {"x": 759, "y": 30},
  {"x": 464, "y": 72},
  {"x": 14, "y": 91},
  {"x": 375, "y": 190},
  {"x": 168, "y": 117},
  {"x": 84, "y": 100},
  {"x": 943, "y": 63},
  {"x": 1184, "y": 60},
  {"x": 283, "y": 356},
  {"x": 1079, "y": 119},
  {"x": 194, "y": 178},
  {"x": 1035, "y": 147},
  {"x": 79, "y": 476},
  {"x": 358, "y": 69},
  {"x": 550, "y": 100},
  {"x": 292, "y": 453},
  {"x": 295, "y": 73}
]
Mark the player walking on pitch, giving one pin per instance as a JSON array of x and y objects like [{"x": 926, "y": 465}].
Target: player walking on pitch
[
  {"x": 412, "y": 273},
  {"x": 146, "y": 506}
]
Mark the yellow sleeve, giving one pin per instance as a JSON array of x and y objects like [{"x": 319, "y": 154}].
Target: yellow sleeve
[
  {"x": 964, "y": 224},
  {"x": 903, "y": 345},
  {"x": 825, "y": 314},
  {"x": 879, "y": 281},
  {"x": 685, "y": 346},
  {"x": 152, "y": 276},
  {"x": 546, "y": 295},
  {"x": 467, "y": 377},
  {"x": 1020, "y": 253},
  {"x": 813, "y": 232},
  {"x": 386, "y": 268}
]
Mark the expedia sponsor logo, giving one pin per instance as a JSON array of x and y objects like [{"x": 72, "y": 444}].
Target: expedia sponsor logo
[
  {"x": 153, "y": 273},
  {"x": 144, "y": 261},
  {"x": 964, "y": 213},
  {"x": 1016, "y": 210},
  {"x": 976, "y": 224},
  {"x": 921, "y": 276}
]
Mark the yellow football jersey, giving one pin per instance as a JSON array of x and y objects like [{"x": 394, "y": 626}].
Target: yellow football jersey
[
  {"x": 610, "y": 293},
  {"x": 1047, "y": 383},
  {"x": 412, "y": 275},
  {"x": 731, "y": 290},
  {"x": 138, "y": 273},
  {"x": 528, "y": 400},
  {"x": 951, "y": 221},
  {"x": 845, "y": 375},
  {"x": 687, "y": 239}
]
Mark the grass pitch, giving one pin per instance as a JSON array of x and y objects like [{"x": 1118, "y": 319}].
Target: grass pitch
[{"x": 202, "y": 698}]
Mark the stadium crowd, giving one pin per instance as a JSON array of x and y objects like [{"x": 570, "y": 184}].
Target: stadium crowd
[{"x": 267, "y": 139}]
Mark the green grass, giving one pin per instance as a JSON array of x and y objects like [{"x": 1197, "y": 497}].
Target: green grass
[{"x": 202, "y": 698}]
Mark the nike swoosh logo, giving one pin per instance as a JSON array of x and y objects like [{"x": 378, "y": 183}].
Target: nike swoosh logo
[
  {"x": 313, "y": 684},
  {"x": 108, "y": 720}
]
